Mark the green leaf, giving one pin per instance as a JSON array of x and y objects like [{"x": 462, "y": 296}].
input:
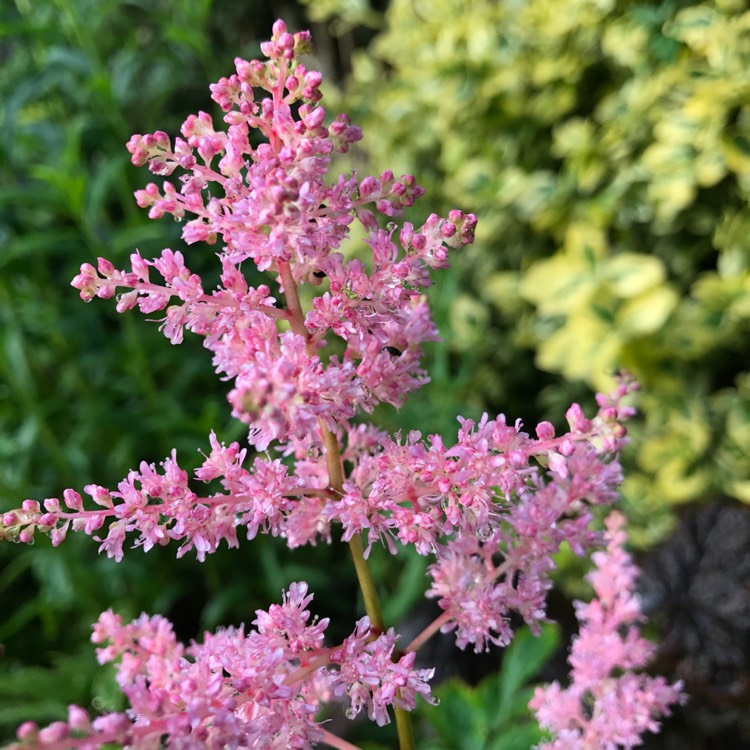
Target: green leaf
[
  {"x": 40, "y": 244},
  {"x": 100, "y": 188},
  {"x": 460, "y": 719},
  {"x": 525, "y": 656},
  {"x": 495, "y": 713},
  {"x": 630, "y": 274},
  {"x": 523, "y": 737},
  {"x": 408, "y": 590}
]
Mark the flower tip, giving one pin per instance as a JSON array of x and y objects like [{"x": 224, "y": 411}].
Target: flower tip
[{"x": 27, "y": 731}]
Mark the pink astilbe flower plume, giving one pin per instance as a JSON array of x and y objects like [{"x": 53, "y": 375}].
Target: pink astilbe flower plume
[
  {"x": 271, "y": 204},
  {"x": 489, "y": 511},
  {"x": 497, "y": 490},
  {"x": 607, "y": 705},
  {"x": 259, "y": 689}
]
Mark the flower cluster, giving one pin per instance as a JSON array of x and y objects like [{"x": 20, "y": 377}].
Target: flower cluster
[
  {"x": 270, "y": 204},
  {"x": 607, "y": 704},
  {"x": 490, "y": 511},
  {"x": 496, "y": 492},
  {"x": 261, "y": 689}
]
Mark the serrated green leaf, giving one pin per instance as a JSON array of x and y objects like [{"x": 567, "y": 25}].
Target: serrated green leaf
[{"x": 502, "y": 694}]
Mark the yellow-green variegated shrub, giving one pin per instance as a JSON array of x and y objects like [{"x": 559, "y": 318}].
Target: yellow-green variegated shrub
[{"x": 606, "y": 147}]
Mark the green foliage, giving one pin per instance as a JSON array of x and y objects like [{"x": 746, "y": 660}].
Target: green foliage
[
  {"x": 494, "y": 715},
  {"x": 343, "y": 14},
  {"x": 606, "y": 148},
  {"x": 35, "y": 694}
]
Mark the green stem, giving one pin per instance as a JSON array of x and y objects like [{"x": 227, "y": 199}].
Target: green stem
[
  {"x": 366, "y": 583},
  {"x": 364, "y": 575},
  {"x": 335, "y": 468},
  {"x": 405, "y": 730}
]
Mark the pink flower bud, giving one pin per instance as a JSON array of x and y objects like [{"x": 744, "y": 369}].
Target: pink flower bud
[
  {"x": 609, "y": 413},
  {"x": 545, "y": 431},
  {"x": 139, "y": 266},
  {"x": 576, "y": 419},
  {"x": 158, "y": 140},
  {"x": 127, "y": 301},
  {"x": 28, "y": 731},
  {"x": 517, "y": 458},
  {"x": 100, "y": 495},
  {"x": 138, "y": 150},
  {"x": 312, "y": 79},
  {"x": 111, "y": 724},
  {"x": 433, "y": 220},
  {"x": 26, "y": 536},
  {"x": 88, "y": 272},
  {"x": 302, "y": 43},
  {"x": 567, "y": 447},
  {"x": 385, "y": 207},
  {"x": 316, "y": 118},
  {"x": 368, "y": 187},
  {"x": 106, "y": 292},
  {"x": 78, "y": 719},
  {"x": 286, "y": 42},
  {"x": 447, "y": 230},
  {"x": 57, "y": 536},
  {"x": 619, "y": 431},
  {"x": 73, "y": 500},
  {"x": 407, "y": 231},
  {"x": 47, "y": 519},
  {"x": 105, "y": 267}
]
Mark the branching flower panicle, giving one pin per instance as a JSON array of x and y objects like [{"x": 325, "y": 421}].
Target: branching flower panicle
[
  {"x": 607, "y": 704},
  {"x": 490, "y": 511},
  {"x": 259, "y": 689}
]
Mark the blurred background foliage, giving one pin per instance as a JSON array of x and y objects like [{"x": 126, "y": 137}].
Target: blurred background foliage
[{"x": 606, "y": 148}]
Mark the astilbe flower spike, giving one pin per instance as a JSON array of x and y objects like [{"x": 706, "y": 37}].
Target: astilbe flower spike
[
  {"x": 496, "y": 491},
  {"x": 270, "y": 204},
  {"x": 489, "y": 511},
  {"x": 608, "y": 705},
  {"x": 259, "y": 689}
]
